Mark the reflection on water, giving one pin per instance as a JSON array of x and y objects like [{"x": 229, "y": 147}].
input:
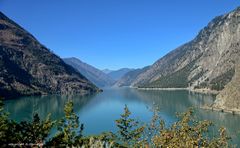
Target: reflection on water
[
  {"x": 24, "y": 108},
  {"x": 98, "y": 112}
]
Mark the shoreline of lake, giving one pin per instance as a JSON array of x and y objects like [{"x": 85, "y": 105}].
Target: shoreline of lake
[
  {"x": 224, "y": 110},
  {"x": 203, "y": 91}
]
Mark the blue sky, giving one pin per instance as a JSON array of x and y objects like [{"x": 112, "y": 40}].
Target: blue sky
[{"x": 114, "y": 33}]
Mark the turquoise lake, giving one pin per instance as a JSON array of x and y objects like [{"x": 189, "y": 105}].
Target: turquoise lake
[{"x": 98, "y": 112}]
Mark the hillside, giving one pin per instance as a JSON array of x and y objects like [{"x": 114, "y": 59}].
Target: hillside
[
  {"x": 118, "y": 74},
  {"x": 129, "y": 77},
  {"x": 29, "y": 68},
  {"x": 208, "y": 61},
  {"x": 107, "y": 71},
  {"x": 93, "y": 74}
]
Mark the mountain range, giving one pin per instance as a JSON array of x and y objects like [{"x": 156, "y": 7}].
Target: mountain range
[
  {"x": 29, "y": 68},
  {"x": 101, "y": 78},
  {"x": 95, "y": 75},
  {"x": 128, "y": 78},
  {"x": 118, "y": 74}
]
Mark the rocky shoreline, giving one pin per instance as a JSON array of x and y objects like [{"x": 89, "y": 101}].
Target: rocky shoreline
[
  {"x": 205, "y": 91},
  {"x": 224, "y": 110}
]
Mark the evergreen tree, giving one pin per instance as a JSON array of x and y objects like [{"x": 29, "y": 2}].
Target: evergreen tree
[
  {"x": 129, "y": 130},
  {"x": 68, "y": 127},
  {"x": 25, "y": 132},
  {"x": 3, "y": 124},
  {"x": 33, "y": 132}
]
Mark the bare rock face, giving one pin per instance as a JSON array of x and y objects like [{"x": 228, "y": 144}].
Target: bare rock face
[
  {"x": 208, "y": 61},
  {"x": 29, "y": 68},
  {"x": 229, "y": 98}
]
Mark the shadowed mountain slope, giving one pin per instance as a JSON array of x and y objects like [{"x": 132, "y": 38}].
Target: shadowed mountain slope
[{"x": 29, "y": 68}]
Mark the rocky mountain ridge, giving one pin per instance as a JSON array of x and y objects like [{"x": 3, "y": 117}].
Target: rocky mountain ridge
[{"x": 208, "y": 61}]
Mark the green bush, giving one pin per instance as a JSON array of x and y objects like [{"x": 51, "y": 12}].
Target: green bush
[{"x": 187, "y": 132}]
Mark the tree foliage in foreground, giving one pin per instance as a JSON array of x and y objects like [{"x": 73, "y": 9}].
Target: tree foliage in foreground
[
  {"x": 186, "y": 132},
  {"x": 130, "y": 131},
  {"x": 25, "y": 133},
  {"x": 69, "y": 129}
]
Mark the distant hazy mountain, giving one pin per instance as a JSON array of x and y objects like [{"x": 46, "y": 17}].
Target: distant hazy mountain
[
  {"x": 118, "y": 74},
  {"x": 107, "y": 71},
  {"x": 129, "y": 77},
  {"x": 95, "y": 75},
  {"x": 29, "y": 68}
]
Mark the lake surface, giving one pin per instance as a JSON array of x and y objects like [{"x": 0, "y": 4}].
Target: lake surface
[{"x": 98, "y": 112}]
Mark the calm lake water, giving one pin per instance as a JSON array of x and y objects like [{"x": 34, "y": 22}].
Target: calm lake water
[{"x": 98, "y": 112}]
